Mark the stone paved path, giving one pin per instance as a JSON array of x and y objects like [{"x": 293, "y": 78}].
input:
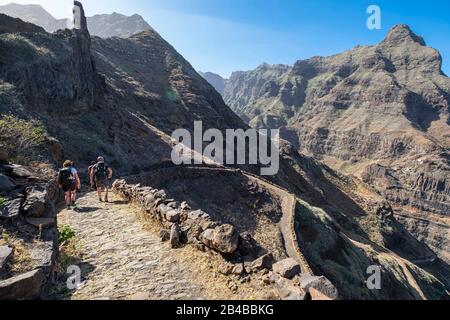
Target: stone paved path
[{"x": 127, "y": 261}]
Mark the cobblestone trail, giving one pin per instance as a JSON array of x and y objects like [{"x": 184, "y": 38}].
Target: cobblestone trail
[{"x": 128, "y": 261}]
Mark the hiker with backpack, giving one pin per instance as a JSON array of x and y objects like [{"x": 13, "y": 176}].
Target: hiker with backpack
[
  {"x": 101, "y": 173},
  {"x": 69, "y": 182}
]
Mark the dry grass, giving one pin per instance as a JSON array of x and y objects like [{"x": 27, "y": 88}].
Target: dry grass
[{"x": 21, "y": 260}]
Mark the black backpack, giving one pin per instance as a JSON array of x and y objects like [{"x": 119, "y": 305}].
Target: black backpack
[
  {"x": 101, "y": 171},
  {"x": 65, "y": 177}
]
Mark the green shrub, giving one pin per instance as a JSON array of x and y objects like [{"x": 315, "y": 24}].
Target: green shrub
[
  {"x": 173, "y": 96},
  {"x": 65, "y": 234},
  {"x": 2, "y": 202}
]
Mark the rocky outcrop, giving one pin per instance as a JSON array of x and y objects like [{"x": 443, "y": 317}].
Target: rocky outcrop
[
  {"x": 57, "y": 84},
  {"x": 29, "y": 230},
  {"x": 26, "y": 286}
]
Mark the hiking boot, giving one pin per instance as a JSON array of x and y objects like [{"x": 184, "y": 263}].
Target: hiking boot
[
  {"x": 68, "y": 207},
  {"x": 100, "y": 199},
  {"x": 106, "y": 199}
]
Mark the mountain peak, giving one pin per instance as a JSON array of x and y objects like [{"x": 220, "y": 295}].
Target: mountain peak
[{"x": 402, "y": 33}]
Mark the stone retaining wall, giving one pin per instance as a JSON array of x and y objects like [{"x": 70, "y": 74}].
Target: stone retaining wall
[
  {"x": 27, "y": 220},
  {"x": 181, "y": 225}
]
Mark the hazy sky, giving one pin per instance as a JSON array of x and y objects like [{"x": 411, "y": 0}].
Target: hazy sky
[{"x": 229, "y": 35}]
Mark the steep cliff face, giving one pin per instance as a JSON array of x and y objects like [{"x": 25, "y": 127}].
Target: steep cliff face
[
  {"x": 124, "y": 97},
  {"x": 379, "y": 112}
]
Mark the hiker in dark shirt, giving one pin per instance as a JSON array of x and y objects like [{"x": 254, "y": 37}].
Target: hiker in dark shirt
[
  {"x": 101, "y": 173},
  {"x": 69, "y": 182}
]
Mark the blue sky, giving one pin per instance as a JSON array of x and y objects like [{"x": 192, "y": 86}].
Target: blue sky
[{"x": 229, "y": 35}]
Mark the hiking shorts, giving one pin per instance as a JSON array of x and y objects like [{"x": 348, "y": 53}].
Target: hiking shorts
[
  {"x": 101, "y": 183},
  {"x": 71, "y": 188}
]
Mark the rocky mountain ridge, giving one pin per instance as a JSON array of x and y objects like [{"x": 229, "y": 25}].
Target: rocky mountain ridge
[
  {"x": 101, "y": 25},
  {"x": 378, "y": 112}
]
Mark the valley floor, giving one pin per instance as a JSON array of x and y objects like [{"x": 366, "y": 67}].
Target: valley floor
[{"x": 123, "y": 259}]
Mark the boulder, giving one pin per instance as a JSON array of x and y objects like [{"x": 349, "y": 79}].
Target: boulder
[
  {"x": 223, "y": 238},
  {"x": 148, "y": 201},
  {"x": 6, "y": 184},
  {"x": 287, "y": 268},
  {"x": 119, "y": 184},
  {"x": 321, "y": 284},
  {"x": 193, "y": 232},
  {"x": 185, "y": 206},
  {"x": 11, "y": 209},
  {"x": 43, "y": 255},
  {"x": 317, "y": 295},
  {"x": 5, "y": 254},
  {"x": 18, "y": 171},
  {"x": 226, "y": 269},
  {"x": 23, "y": 287},
  {"x": 162, "y": 209},
  {"x": 173, "y": 205},
  {"x": 248, "y": 245},
  {"x": 264, "y": 262},
  {"x": 172, "y": 215},
  {"x": 175, "y": 233},
  {"x": 286, "y": 289},
  {"x": 164, "y": 235},
  {"x": 198, "y": 214},
  {"x": 238, "y": 269},
  {"x": 161, "y": 194},
  {"x": 37, "y": 204}
]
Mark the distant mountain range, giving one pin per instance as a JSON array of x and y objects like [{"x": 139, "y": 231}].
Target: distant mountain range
[
  {"x": 103, "y": 25},
  {"x": 215, "y": 80}
]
